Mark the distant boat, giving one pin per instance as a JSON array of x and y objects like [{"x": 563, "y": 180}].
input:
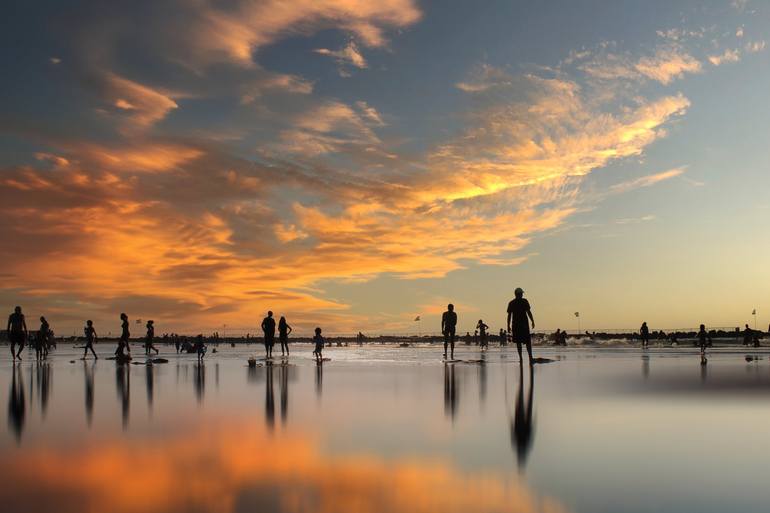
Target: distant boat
[{"x": 404, "y": 344}]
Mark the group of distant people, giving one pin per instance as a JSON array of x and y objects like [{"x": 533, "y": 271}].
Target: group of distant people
[
  {"x": 18, "y": 334},
  {"x": 518, "y": 324},
  {"x": 702, "y": 338},
  {"x": 284, "y": 330}
]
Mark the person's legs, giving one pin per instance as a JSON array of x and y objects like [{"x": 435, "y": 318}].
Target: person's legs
[
  {"x": 529, "y": 350},
  {"x": 13, "y": 346},
  {"x": 518, "y": 348},
  {"x": 452, "y": 344},
  {"x": 446, "y": 342}
]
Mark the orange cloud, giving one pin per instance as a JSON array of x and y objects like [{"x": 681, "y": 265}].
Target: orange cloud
[
  {"x": 233, "y": 35},
  {"x": 142, "y": 105}
]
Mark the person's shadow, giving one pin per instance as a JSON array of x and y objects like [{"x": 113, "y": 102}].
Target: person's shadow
[
  {"x": 123, "y": 384},
  {"x": 149, "y": 381},
  {"x": 17, "y": 404},
  {"x": 319, "y": 378},
  {"x": 199, "y": 380},
  {"x": 283, "y": 376},
  {"x": 88, "y": 372},
  {"x": 450, "y": 391},
  {"x": 269, "y": 397},
  {"x": 522, "y": 430}
]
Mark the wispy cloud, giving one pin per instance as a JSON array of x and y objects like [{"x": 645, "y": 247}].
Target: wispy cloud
[
  {"x": 648, "y": 180},
  {"x": 348, "y": 56}
]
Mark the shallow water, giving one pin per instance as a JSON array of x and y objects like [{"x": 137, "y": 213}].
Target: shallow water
[{"x": 388, "y": 429}]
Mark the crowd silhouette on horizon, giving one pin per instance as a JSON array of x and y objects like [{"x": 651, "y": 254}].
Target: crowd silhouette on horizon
[{"x": 520, "y": 324}]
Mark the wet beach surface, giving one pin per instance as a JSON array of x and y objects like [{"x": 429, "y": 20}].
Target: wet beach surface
[{"x": 388, "y": 429}]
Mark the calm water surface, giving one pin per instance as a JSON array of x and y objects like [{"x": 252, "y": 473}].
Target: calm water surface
[{"x": 385, "y": 429}]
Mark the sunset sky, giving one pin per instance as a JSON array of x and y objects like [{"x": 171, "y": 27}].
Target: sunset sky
[{"x": 353, "y": 164}]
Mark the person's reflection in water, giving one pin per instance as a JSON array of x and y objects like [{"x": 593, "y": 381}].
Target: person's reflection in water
[
  {"x": 269, "y": 397},
  {"x": 149, "y": 379},
  {"x": 199, "y": 380},
  {"x": 123, "y": 382},
  {"x": 283, "y": 375},
  {"x": 43, "y": 385},
  {"x": 703, "y": 367},
  {"x": 483, "y": 378},
  {"x": 521, "y": 428},
  {"x": 645, "y": 366},
  {"x": 450, "y": 391},
  {"x": 88, "y": 372},
  {"x": 17, "y": 404},
  {"x": 319, "y": 377}
]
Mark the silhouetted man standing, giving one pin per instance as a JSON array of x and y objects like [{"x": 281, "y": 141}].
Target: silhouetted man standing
[
  {"x": 268, "y": 327},
  {"x": 448, "y": 328},
  {"x": 17, "y": 331},
  {"x": 518, "y": 324}
]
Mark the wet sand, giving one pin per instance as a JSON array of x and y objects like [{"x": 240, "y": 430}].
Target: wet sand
[{"x": 383, "y": 429}]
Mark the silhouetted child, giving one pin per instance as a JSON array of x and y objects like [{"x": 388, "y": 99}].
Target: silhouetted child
[
  {"x": 319, "y": 344},
  {"x": 703, "y": 338},
  {"x": 90, "y": 334},
  {"x": 200, "y": 347},
  {"x": 482, "y": 328}
]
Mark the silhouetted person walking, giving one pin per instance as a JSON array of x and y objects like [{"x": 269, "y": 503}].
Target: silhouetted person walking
[
  {"x": 644, "y": 331},
  {"x": 283, "y": 334},
  {"x": 90, "y": 334},
  {"x": 123, "y": 349},
  {"x": 448, "y": 329},
  {"x": 503, "y": 337},
  {"x": 268, "y": 327},
  {"x": 200, "y": 347},
  {"x": 17, "y": 332},
  {"x": 41, "y": 341},
  {"x": 482, "y": 333},
  {"x": 148, "y": 343},
  {"x": 518, "y": 324}
]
